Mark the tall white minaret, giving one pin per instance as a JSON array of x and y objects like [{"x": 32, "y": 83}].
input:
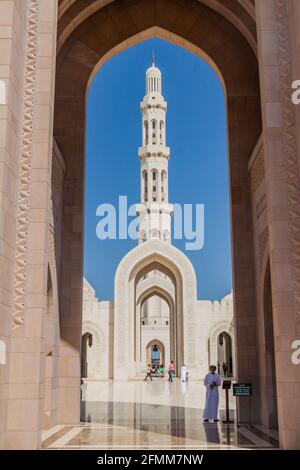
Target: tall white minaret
[{"x": 154, "y": 209}]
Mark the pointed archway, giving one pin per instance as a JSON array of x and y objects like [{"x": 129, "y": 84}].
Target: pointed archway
[
  {"x": 154, "y": 254},
  {"x": 87, "y": 37}
]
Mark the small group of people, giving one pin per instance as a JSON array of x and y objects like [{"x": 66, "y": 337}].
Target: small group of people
[
  {"x": 157, "y": 370},
  {"x": 160, "y": 370}
]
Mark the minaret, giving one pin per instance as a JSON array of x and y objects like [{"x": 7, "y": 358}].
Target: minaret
[{"x": 154, "y": 209}]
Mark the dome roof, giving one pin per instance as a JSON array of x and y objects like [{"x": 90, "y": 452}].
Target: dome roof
[{"x": 153, "y": 71}]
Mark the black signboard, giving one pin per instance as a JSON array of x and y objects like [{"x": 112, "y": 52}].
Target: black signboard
[{"x": 242, "y": 390}]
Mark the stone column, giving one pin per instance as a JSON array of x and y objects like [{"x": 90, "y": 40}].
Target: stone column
[
  {"x": 283, "y": 204},
  {"x": 12, "y": 31},
  {"x": 35, "y": 21}
]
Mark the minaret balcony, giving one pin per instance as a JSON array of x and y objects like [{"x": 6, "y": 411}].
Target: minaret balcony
[
  {"x": 154, "y": 150},
  {"x": 154, "y": 208},
  {"x": 153, "y": 102}
]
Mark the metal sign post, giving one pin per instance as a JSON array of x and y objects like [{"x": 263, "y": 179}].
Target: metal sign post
[{"x": 226, "y": 385}]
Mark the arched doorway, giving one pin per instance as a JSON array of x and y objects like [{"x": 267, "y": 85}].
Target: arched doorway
[
  {"x": 81, "y": 44},
  {"x": 225, "y": 354},
  {"x": 155, "y": 319},
  {"x": 222, "y": 347},
  {"x": 155, "y": 353},
  {"x": 158, "y": 293},
  {"x": 86, "y": 343},
  {"x": 145, "y": 258}
]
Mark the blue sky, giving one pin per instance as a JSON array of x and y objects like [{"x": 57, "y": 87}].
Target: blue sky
[{"x": 198, "y": 173}]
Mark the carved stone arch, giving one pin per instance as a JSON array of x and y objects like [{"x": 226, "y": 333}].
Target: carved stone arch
[
  {"x": 215, "y": 331},
  {"x": 244, "y": 22},
  {"x": 147, "y": 257},
  {"x": 164, "y": 293},
  {"x": 230, "y": 51},
  {"x": 161, "y": 346},
  {"x": 155, "y": 290},
  {"x": 90, "y": 327},
  {"x": 95, "y": 362},
  {"x": 155, "y": 282}
]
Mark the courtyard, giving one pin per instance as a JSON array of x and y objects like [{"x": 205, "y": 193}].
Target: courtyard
[{"x": 153, "y": 415}]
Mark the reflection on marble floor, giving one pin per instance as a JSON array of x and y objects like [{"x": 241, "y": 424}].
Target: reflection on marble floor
[{"x": 155, "y": 415}]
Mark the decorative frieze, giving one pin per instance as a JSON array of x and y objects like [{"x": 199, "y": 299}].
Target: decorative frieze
[
  {"x": 261, "y": 206},
  {"x": 23, "y": 198},
  {"x": 58, "y": 170},
  {"x": 290, "y": 145},
  {"x": 257, "y": 171},
  {"x": 262, "y": 243}
]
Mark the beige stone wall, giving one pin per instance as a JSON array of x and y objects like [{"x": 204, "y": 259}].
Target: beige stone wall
[
  {"x": 97, "y": 319},
  {"x": 12, "y": 31},
  {"x": 211, "y": 319},
  {"x": 265, "y": 395},
  {"x": 27, "y": 65}
]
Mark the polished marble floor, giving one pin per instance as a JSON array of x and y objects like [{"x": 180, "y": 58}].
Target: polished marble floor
[{"x": 153, "y": 415}]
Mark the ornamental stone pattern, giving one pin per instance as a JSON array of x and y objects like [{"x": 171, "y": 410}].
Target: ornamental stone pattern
[{"x": 23, "y": 201}]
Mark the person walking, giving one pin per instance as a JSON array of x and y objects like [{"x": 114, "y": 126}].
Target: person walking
[
  {"x": 212, "y": 381},
  {"x": 171, "y": 371},
  {"x": 149, "y": 370}
]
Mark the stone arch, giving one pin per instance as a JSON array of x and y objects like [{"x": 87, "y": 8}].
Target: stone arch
[
  {"x": 158, "y": 281},
  {"x": 86, "y": 342},
  {"x": 156, "y": 290},
  {"x": 148, "y": 256},
  {"x": 220, "y": 327},
  {"x": 244, "y": 22},
  {"x": 162, "y": 290},
  {"x": 89, "y": 327},
  {"x": 161, "y": 346},
  {"x": 225, "y": 353},
  {"x": 230, "y": 49},
  {"x": 99, "y": 345}
]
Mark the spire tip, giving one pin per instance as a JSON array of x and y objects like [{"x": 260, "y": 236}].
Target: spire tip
[{"x": 153, "y": 58}]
